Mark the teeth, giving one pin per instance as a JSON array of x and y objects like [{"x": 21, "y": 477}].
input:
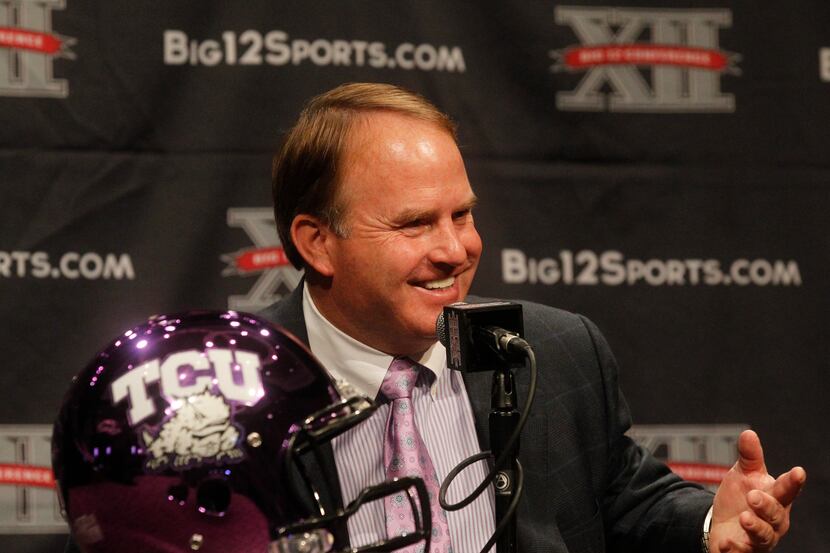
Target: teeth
[{"x": 443, "y": 283}]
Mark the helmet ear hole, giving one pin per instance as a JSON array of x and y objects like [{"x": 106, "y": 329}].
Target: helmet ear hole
[{"x": 213, "y": 497}]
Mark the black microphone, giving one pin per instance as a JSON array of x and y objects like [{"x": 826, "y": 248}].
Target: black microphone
[
  {"x": 487, "y": 337},
  {"x": 482, "y": 336}
]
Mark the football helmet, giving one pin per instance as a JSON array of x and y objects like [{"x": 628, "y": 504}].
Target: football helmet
[{"x": 202, "y": 431}]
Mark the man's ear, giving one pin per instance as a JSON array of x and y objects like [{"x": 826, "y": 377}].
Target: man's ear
[{"x": 311, "y": 236}]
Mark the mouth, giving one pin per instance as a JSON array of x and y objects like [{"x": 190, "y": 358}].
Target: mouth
[{"x": 440, "y": 284}]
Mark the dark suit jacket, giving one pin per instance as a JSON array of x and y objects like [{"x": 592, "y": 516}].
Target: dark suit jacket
[{"x": 588, "y": 487}]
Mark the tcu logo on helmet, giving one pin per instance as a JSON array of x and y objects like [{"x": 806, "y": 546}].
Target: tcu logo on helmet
[
  {"x": 267, "y": 259},
  {"x": 683, "y": 58},
  {"x": 202, "y": 389},
  {"x": 28, "y": 48}
]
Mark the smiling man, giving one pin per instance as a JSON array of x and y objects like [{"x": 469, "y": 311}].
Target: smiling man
[
  {"x": 406, "y": 245},
  {"x": 372, "y": 199}
]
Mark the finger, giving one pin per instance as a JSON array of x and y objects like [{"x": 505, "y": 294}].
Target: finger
[
  {"x": 760, "y": 533},
  {"x": 750, "y": 452},
  {"x": 728, "y": 546},
  {"x": 788, "y": 485},
  {"x": 768, "y": 509}
]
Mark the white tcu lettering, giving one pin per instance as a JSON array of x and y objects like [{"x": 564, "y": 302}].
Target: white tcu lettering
[
  {"x": 134, "y": 385},
  {"x": 249, "y": 390},
  {"x": 171, "y": 377},
  {"x": 246, "y": 387},
  {"x": 671, "y": 89}
]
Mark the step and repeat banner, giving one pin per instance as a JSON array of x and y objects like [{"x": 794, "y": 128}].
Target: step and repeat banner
[{"x": 659, "y": 166}]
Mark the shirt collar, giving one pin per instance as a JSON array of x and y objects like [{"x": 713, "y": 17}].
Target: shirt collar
[{"x": 361, "y": 366}]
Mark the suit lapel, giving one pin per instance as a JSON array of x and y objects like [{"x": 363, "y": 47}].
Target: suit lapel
[
  {"x": 478, "y": 390},
  {"x": 288, "y": 314}
]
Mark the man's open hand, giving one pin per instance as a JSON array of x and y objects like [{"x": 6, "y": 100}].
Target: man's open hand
[{"x": 752, "y": 509}]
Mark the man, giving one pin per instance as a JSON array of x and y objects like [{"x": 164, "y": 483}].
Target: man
[{"x": 373, "y": 201}]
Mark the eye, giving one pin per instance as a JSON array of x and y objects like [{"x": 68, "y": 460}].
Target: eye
[
  {"x": 415, "y": 223},
  {"x": 462, "y": 215},
  {"x": 413, "y": 227}
]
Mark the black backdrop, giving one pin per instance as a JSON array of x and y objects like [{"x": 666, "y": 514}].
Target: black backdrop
[{"x": 658, "y": 166}]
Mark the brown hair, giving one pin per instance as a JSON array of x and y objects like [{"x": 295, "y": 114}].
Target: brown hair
[{"x": 307, "y": 167}]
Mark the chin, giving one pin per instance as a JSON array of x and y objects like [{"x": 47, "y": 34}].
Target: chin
[{"x": 425, "y": 329}]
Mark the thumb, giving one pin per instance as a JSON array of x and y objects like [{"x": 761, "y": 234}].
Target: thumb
[{"x": 750, "y": 452}]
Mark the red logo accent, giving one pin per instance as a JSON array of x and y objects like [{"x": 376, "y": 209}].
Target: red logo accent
[
  {"x": 34, "y": 41},
  {"x": 699, "y": 472},
  {"x": 258, "y": 259},
  {"x": 584, "y": 57},
  {"x": 26, "y": 475}
]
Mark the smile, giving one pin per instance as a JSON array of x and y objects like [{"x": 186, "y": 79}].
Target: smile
[{"x": 439, "y": 284}]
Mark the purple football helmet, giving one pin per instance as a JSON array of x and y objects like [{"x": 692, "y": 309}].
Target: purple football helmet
[{"x": 201, "y": 432}]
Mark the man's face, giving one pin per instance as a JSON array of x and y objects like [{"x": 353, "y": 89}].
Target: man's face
[{"x": 411, "y": 245}]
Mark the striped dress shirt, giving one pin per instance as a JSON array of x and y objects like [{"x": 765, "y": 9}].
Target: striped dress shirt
[{"x": 444, "y": 418}]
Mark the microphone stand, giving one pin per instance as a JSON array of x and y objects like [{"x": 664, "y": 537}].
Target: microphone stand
[{"x": 504, "y": 417}]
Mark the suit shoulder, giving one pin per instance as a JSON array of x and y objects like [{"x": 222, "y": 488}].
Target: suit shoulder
[
  {"x": 543, "y": 311},
  {"x": 538, "y": 313},
  {"x": 288, "y": 313},
  {"x": 287, "y": 310},
  {"x": 543, "y": 323},
  {"x": 273, "y": 312}
]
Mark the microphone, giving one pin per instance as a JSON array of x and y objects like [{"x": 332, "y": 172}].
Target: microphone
[
  {"x": 487, "y": 337},
  {"x": 482, "y": 336}
]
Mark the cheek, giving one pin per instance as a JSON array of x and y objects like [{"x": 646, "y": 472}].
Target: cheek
[
  {"x": 405, "y": 257},
  {"x": 369, "y": 262}
]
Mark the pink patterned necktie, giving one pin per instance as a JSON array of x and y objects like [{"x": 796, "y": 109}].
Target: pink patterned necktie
[{"x": 405, "y": 454}]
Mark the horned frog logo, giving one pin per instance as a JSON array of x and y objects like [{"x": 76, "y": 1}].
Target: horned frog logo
[{"x": 200, "y": 431}]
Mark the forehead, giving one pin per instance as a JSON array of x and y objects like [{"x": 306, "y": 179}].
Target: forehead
[{"x": 393, "y": 149}]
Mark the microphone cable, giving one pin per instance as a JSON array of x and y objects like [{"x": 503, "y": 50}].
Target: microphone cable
[{"x": 514, "y": 437}]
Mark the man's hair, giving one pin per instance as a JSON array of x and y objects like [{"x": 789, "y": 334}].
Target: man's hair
[{"x": 307, "y": 168}]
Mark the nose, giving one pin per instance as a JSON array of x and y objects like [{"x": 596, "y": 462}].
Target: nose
[{"x": 448, "y": 245}]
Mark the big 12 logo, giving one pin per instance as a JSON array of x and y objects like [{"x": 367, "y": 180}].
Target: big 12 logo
[
  {"x": 678, "y": 47},
  {"x": 267, "y": 259},
  {"x": 28, "y": 48}
]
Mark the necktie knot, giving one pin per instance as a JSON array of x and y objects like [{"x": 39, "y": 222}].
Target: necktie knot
[{"x": 400, "y": 379}]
